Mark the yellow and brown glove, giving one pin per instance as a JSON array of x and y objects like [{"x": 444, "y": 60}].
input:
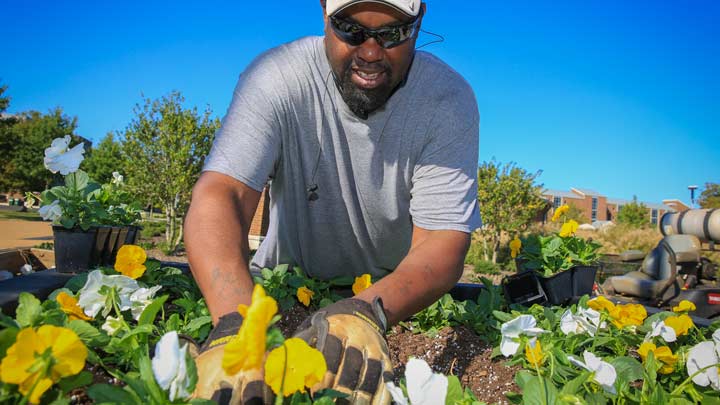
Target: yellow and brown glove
[
  {"x": 351, "y": 335},
  {"x": 245, "y": 387}
]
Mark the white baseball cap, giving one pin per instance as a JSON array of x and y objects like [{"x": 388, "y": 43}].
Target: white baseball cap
[{"x": 408, "y": 7}]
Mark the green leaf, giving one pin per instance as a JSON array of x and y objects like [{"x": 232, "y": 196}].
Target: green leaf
[
  {"x": 78, "y": 380},
  {"x": 110, "y": 394},
  {"x": 198, "y": 401},
  {"x": 454, "y": 390},
  {"x": 274, "y": 338},
  {"x": 77, "y": 282},
  {"x": 266, "y": 273},
  {"x": 628, "y": 369},
  {"x": 198, "y": 323},
  {"x": 540, "y": 391},
  {"x": 28, "y": 310},
  {"x": 574, "y": 385},
  {"x": 148, "y": 314},
  {"x": 7, "y": 339},
  {"x": 88, "y": 333},
  {"x": 148, "y": 377},
  {"x": 522, "y": 378}
]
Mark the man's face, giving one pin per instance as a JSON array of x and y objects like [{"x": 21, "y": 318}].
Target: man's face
[{"x": 368, "y": 73}]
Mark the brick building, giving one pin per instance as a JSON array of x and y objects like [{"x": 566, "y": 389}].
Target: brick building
[{"x": 598, "y": 207}]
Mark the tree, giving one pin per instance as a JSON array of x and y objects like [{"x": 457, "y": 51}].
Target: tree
[
  {"x": 634, "y": 214},
  {"x": 509, "y": 200},
  {"x": 164, "y": 148},
  {"x": 23, "y": 146},
  {"x": 105, "y": 159},
  {"x": 710, "y": 197}
]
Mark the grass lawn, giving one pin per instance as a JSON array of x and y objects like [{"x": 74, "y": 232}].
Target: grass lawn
[{"x": 26, "y": 216}]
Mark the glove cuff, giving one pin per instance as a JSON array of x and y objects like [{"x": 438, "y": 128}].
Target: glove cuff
[
  {"x": 374, "y": 313},
  {"x": 227, "y": 327}
]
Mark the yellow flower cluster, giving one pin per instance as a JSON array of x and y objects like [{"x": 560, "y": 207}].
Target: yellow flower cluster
[
  {"x": 40, "y": 358},
  {"x": 301, "y": 365},
  {"x": 560, "y": 211},
  {"x": 684, "y": 306},
  {"x": 534, "y": 353},
  {"x": 69, "y": 305},
  {"x": 361, "y": 284},
  {"x": 663, "y": 354},
  {"x": 246, "y": 351},
  {"x": 620, "y": 315},
  {"x": 304, "y": 295},
  {"x": 569, "y": 228},
  {"x": 515, "y": 246},
  {"x": 681, "y": 324},
  {"x": 130, "y": 261}
]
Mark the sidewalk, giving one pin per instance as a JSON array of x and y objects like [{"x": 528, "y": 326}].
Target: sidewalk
[{"x": 15, "y": 233}]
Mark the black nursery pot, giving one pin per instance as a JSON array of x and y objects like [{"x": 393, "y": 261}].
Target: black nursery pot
[
  {"x": 74, "y": 249},
  {"x": 583, "y": 279},
  {"x": 558, "y": 288}
]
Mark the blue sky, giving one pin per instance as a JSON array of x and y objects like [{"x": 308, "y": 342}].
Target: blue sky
[{"x": 622, "y": 97}]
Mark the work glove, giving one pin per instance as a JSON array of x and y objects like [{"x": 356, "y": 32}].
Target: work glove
[
  {"x": 245, "y": 387},
  {"x": 351, "y": 335}
]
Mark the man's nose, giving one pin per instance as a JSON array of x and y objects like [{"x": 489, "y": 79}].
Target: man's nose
[{"x": 370, "y": 51}]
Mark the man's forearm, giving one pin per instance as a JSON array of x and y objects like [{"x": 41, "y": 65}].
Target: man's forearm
[
  {"x": 431, "y": 268},
  {"x": 216, "y": 232}
]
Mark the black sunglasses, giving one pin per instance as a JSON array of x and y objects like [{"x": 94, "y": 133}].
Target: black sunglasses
[{"x": 388, "y": 37}]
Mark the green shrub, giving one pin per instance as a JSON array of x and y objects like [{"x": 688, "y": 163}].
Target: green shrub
[
  {"x": 486, "y": 267},
  {"x": 151, "y": 229}
]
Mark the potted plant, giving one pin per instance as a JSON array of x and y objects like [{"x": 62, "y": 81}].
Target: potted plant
[
  {"x": 90, "y": 221},
  {"x": 565, "y": 264}
]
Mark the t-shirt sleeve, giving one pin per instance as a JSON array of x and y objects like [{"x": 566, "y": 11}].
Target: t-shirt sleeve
[
  {"x": 247, "y": 145},
  {"x": 444, "y": 182}
]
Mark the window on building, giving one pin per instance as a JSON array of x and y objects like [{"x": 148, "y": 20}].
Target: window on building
[
  {"x": 653, "y": 217},
  {"x": 557, "y": 201},
  {"x": 594, "y": 208}
]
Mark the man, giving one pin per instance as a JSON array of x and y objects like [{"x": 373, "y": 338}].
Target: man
[{"x": 371, "y": 152}]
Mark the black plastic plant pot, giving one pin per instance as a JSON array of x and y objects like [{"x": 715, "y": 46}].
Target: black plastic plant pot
[
  {"x": 132, "y": 235},
  {"x": 73, "y": 249},
  {"x": 122, "y": 235},
  {"x": 101, "y": 237},
  {"x": 108, "y": 259},
  {"x": 583, "y": 279},
  {"x": 523, "y": 288},
  {"x": 558, "y": 288}
]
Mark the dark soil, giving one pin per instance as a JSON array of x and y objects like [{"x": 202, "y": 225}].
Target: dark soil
[{"x": 455, "y": 350}]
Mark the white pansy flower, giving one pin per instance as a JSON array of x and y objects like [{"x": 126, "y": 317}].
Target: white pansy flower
[
  {"x": 117, "y": 178},
  {"x": 111, "y": 325},
  {"x": 140, "y": 299},
  {"x": 423, "y": 386},
  {"x": 92, "y": 300},
  {"x": 51, "y": 212},
  {"x": 660, "y": 329},
  {"x": 511, "y": 331},
  {"x": 58, "y": 158},
  {"x": 604, "y": 373},
  {"x": 702, "y": 355},
  {"x": 29, "y": 201},
  {"x": 585, "y": 321},
  {"x": 170, "y": 367}
]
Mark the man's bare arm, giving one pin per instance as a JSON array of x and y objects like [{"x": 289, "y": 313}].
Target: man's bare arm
[
  {"x": 216, "y": 239},
  {"x": 431, "y": 268}
]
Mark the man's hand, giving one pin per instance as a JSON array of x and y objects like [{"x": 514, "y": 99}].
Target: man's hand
[
  {"x": 351, "y": 335},
  {"x": 245, "y": 387}
]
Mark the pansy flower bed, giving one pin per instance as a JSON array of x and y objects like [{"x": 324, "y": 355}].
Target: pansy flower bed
[{"x": 125, "y": 335}]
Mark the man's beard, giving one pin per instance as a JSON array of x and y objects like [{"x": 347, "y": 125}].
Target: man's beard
[{"x": 362, "y": 102}]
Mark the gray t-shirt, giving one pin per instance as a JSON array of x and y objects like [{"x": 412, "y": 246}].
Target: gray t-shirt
[{"x": 414, "y": 161}]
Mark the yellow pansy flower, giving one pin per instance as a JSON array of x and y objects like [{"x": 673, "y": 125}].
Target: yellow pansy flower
[
  {"x": 628, "y": 314},
  {"x": 601, "y": 303},
  {"x": 361, "y": 283},
  {"x": 305, "y": 367},
  {"x": 568, "y": 228},
  {"x": 66, "y": 355},
  {"x": 130, "y": 261},
  {"x": 559, "y": 211},
  {"x": 515, "y": 246},
  {"x": 69, "y": 305},
  {"x": 681, "y": 324},
  {"x": 246, "y": 350},
  {"x": 662, "y": 354},
  {"x": 534, "y": 353},
  {"x": 684, "y": 306},
  {"x": 304, "y": 295}
]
